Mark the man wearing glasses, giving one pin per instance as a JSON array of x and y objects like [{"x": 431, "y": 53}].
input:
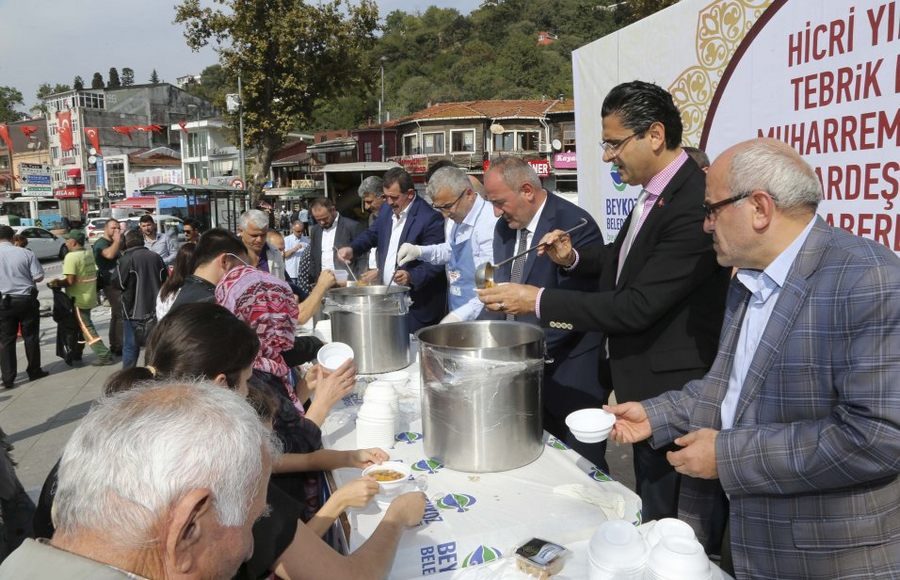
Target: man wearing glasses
[
  {"x": 406, "y": 218},
  {"x": 470, "y": 240},
  {"x": 661, "y": 293}
]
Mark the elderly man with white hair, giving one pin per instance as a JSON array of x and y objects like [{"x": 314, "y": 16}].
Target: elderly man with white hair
[
  {"x": 156, "y": 482},
  {"x": 469, "y": 240},
  {"x": 253, "y": 228}
]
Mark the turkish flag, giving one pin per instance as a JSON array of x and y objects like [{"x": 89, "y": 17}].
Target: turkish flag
[
  {"x": 28, "y": 130},
  {"x": 4, "y": 134},
  {"x": 64, "y": 122},
  {"x": 93, "y": 135},
  {"x": 149, "y": 128},
  {"x": 124, "y": 130}
]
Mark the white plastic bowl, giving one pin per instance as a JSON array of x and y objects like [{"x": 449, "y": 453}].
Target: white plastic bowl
[
  {"x": 390, "y": 489},
  {"x": 334, "y": 354},
  {"x": 667, "y": 528},
  {"x": 617, "y": 547},
  {"x": 678, "y": 558},
  {"x": 590, "y": 425}
]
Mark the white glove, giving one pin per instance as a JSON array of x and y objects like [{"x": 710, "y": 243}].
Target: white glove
[
  {"x": 408, "y": 253},
  {"x": 450, "y": 318}
]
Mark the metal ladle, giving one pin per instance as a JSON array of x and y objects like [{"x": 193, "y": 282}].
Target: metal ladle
[
  {"x": 484, "y": 274},
  {"x": 346, "y": 265}
]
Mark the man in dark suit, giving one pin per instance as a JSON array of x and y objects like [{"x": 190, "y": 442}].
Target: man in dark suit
[
  {"x": 799, "y": 417},
  {"x": 406, "y": 218},
  {"x": 337, "y": 231},
  {"x": 661, "y": 293},
  {"x": 528, "y": 212}
]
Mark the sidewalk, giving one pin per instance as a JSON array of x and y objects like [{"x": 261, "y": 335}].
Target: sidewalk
[{"x": 38, "y": 417}]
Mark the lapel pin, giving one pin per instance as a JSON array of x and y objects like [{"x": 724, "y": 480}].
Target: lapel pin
[{"x": 661, "y": 202}]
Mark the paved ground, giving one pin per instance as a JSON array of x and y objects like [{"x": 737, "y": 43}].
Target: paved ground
[{"x": 39, "y": 416}]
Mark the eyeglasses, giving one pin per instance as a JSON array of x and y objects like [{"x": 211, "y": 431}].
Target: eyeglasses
[
  {"x": 450, "y": 205},
  {"x": 616, "y": 146},
  {"x": 712, "y": 209}
]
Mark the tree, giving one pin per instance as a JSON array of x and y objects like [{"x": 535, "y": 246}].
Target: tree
[
  {"x": 97, "y": 81},
  {"x": 154, "y": 78},
  {"x": 213, "y": 86},
  {"x": 114, "y": 81},
  {"x": 44, "y": 91},
  {"x": 308, "y": 54},
  {"x": 78, "y": 83},
  {"x": 127, "y": 77},
  {"x": 9, "y": 98}
]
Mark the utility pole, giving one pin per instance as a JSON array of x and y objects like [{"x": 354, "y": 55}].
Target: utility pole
[
  {"x": 241, "y": 127},
  {"x": 380, "y": 107}
]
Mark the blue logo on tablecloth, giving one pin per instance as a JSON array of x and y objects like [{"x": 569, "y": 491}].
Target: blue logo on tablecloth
[
  {"x": 556, "y": 444},
  {"x": 598, "y": 475},
  {"x": 431, "y": 513},
  {"x": 409, "y": 436},
  {"x": 428, "y": 466},
  {"x": 460, "y": 502},
  {"x": 481, "y": 555}
]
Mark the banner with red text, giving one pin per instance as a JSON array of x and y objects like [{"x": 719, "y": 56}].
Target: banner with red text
[{"x": 821, "y": 75}]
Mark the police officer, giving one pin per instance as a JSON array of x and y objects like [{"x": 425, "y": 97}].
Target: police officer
[{"x": 20, "y": 271}]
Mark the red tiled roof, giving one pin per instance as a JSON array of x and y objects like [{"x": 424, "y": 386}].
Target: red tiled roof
[{"x": 495, "y": 109}]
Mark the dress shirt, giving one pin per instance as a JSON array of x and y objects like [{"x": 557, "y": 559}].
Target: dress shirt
[
  {"x": 390, "y": 261},
  {"x": 764, "y": 289},
  {"x": 478, "y": 228},
  {"x": 292, "y": 264},
  {"x": 328, "y": 244},
  {"x": 19, "y": 270},
  {"x": 163, "y": 246}
]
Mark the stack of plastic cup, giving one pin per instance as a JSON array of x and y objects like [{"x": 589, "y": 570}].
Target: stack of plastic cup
[
  {"x": 375, "y": 425},
  {"x": 382, "y": 392},
  {"x": 617, "y": 552},
  {"x": 323, "y": 330}
]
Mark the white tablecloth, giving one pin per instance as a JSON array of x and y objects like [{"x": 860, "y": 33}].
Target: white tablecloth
[{"x": 472, "y": 518}]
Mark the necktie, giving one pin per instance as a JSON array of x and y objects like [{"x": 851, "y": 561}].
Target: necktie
[
  {"x": 518, "y": 265},
  {"x": 641, "y": 208}
]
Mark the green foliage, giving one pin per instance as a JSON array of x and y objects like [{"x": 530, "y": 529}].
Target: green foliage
[
  {"x": 213, "y": 86},
  {"x": 292, "y": 56},
  {"x": 154, "y": 78},
  {"x": 10, "y": 97},
  {"x": 114, "y": 81},
  {"x": 127, "y": 77},
  {"x": 44, "y": 91},
  {"x": 97, "y": 81},
  {"x": 78, "y": 83}
]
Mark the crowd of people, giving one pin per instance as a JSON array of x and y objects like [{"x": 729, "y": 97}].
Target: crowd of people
[{"x": 754, "y": 353}]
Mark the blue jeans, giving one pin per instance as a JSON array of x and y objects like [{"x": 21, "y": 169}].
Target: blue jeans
[{"x": 130, "y": 349}]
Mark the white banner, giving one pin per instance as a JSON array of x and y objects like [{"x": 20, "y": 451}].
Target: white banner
[{"x": 821, "y": 75}]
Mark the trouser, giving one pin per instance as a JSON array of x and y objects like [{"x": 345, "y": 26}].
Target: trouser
[
  {"x": 656, "y": 481},
  {"x": 91, "y": 337},
  {"x": 130, "y": 350},
  {"x": 16, "y": 310},
  {"x": 114, "y": 295}
]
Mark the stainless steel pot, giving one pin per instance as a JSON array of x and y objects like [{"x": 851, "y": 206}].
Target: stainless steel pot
[
  {"x": 372, "y": 320},
  {"x": 481, "y": 394}
]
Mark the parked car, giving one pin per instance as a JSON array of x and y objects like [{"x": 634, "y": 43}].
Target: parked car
[
  {"x": 43, "y": 243},
  {"x": 94, "y": 228},
  {"x": 164, "y": 223}
]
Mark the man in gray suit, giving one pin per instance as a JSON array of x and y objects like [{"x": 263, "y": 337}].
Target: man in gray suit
[{"x": 799, "y": 416}]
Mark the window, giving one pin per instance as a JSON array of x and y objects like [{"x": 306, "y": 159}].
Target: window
[
  {"x": 410, "y": 144},
  {"x": 54, "y": 152},
  {"x": 517, "y": 141},
  {"x": 462, "y": 141},
  {"x": 196, "y": 145},
  {"x": 433, "y": 143},
  {"x": 115, "y": 176},
  {"x": 91, "y": 100},
  {"x": 367, "y": 147}
]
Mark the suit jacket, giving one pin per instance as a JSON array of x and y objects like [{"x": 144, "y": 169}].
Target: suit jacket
[
  {"x": 574, "y": 370},
  {"x": 811, "y": 465},
  {"x": 663, "y": 315},
  {"x": 347, "y": 229},
  {"x": 428, "y": 285}
]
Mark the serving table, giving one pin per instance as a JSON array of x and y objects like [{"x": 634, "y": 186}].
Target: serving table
[{"x": 477, "y": 518}]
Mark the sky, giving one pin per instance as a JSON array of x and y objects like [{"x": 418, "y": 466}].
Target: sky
[{"x": 51, "y": 41}]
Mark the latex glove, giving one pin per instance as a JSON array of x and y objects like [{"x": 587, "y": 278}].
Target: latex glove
[
  {"x": 407, "y": 253},
  {"x": 450, "y": 318}
]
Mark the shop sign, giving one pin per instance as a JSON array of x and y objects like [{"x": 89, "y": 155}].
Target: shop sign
[
  {"x": 567, "y": 160},
  {"x": 540, "y": 166},
  {"x": 414, "y": 164}
]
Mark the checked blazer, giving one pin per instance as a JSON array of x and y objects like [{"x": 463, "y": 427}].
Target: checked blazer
[{"x": 811, "y": 465}]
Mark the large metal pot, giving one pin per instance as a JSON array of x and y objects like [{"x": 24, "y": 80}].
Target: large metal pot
[
  {"x": 481, "y": 394},
  {"x": 372, "y": 320}
]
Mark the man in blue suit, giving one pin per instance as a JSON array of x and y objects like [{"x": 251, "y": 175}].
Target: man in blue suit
[
  {"x": 528, "y": 211},
  {"x": 406, "y": 218}
]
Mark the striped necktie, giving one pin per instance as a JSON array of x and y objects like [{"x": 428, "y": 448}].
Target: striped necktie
[{"x": 518, "y": 265}]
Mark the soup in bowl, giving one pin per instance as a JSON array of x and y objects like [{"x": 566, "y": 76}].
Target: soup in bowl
[{"x": 391, "y": 476}]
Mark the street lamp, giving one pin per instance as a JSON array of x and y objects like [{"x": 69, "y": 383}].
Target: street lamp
[{"x": 380, "y": 107}]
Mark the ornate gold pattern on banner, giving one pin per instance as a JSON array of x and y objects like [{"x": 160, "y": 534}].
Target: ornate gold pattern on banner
[{"x": 721, "y": 26}]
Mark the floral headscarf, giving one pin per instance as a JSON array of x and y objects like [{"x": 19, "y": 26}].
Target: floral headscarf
[{"x": 269, "y": 307}]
